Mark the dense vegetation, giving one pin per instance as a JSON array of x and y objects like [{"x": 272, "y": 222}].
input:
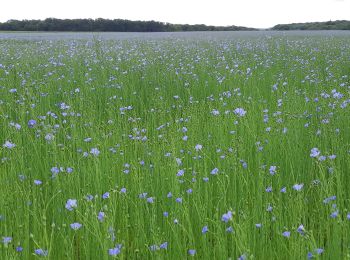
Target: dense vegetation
[
  {"x": 105, "y": 25},
  {"x": 119, "y": 25},
  {"x": 330, "y": 25},
  {"x": 215, "y": 148}
]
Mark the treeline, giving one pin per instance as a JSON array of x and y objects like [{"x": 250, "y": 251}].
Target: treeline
[
  {"x": 106, "y": 25},
  {"x": 331, "y": 25}
]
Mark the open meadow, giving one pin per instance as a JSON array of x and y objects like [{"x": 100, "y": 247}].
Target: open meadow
[{"x": 222, "y": 145}]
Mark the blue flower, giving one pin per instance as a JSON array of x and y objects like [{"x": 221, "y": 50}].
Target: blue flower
[
  {"x": 286, "y": 234},
  {"x": 226, "y": 217},
  {"x": 89, "y": 197},
  {"x": 301, "y": 230},
  {"x": 178, "y": 200},
  {"x": 214, "y": 171},
  {"x": 41, "y": 252},
  {"x": 38, "y": 182},
  {"x": 259, "y": 225},
  {"x": 334, "y": 214},
  {"x": 315, "y": 152},
  {"x": 332, "y": 157},
  {"x": 180, "y": 173},
  {"x": 150, "y": 200},
  {"x": 9, "y": 145},
  {"x": 178, "y": 161},
  {"x": 269, "y": 208},
  {"x": 76, "y": 226},
  {"x": 101, "y": 216},
  {"x": 198, "y": 147},
  {"x": 322, "y": 158},
  {"x": 143, "y": 195},
  {"x": 31, "y": 123},
  {"x": 273, "y": 170},
  {"x": 298, "y": 187},
  {"x": 164, "y": 245},
  {"x": 327, "y": 200},
  {"x": 244, "y": 164},
  {"x": 115, "y": 251},
  {"x": 205, "y": 229},
  {"x": 319, "y": 251},
  {"x": 242, "y": 257},
  {"x": 71, "y": 204},
  {"x": 229, "y": 229},
  {"x": 49, "y": 137},
  {"x": 6, "y": 240},
  {"x": 240, "y": 112},
  {"x": 55, "y": 171},
  {"x": 95, "y": 152},
  {"x": 105, "y": 195},
  {"x": 192, "y": 252},
  {"x": 19, "y": 249},
  {"x": 215, "y": 112}
]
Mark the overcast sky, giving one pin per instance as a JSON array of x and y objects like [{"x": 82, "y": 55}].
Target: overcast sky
[{"x": 253, "y": 13}]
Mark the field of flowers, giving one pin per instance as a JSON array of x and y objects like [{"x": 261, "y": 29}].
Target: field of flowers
[{"x": 219, "y": 146}]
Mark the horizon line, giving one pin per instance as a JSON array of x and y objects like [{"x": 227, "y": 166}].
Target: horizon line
[{"x": 191, "y": 24}]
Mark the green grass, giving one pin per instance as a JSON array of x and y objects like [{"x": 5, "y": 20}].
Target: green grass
[{"x": 172, "y": 85}]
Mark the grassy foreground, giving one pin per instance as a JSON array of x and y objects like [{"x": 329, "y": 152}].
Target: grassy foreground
[{"x": 175, "y": 148}]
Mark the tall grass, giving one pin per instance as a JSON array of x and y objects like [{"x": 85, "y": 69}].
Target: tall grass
[{"x": 148, "y": 138}]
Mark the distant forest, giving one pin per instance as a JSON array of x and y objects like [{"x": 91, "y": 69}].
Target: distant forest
[
  {"x": 331, "y": 25},
  {"x": 119, "y": 25},
  {"x": 106, "y": 25}
]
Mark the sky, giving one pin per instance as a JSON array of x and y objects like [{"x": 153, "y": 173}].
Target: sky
[{"x": 251, "y": 13}]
